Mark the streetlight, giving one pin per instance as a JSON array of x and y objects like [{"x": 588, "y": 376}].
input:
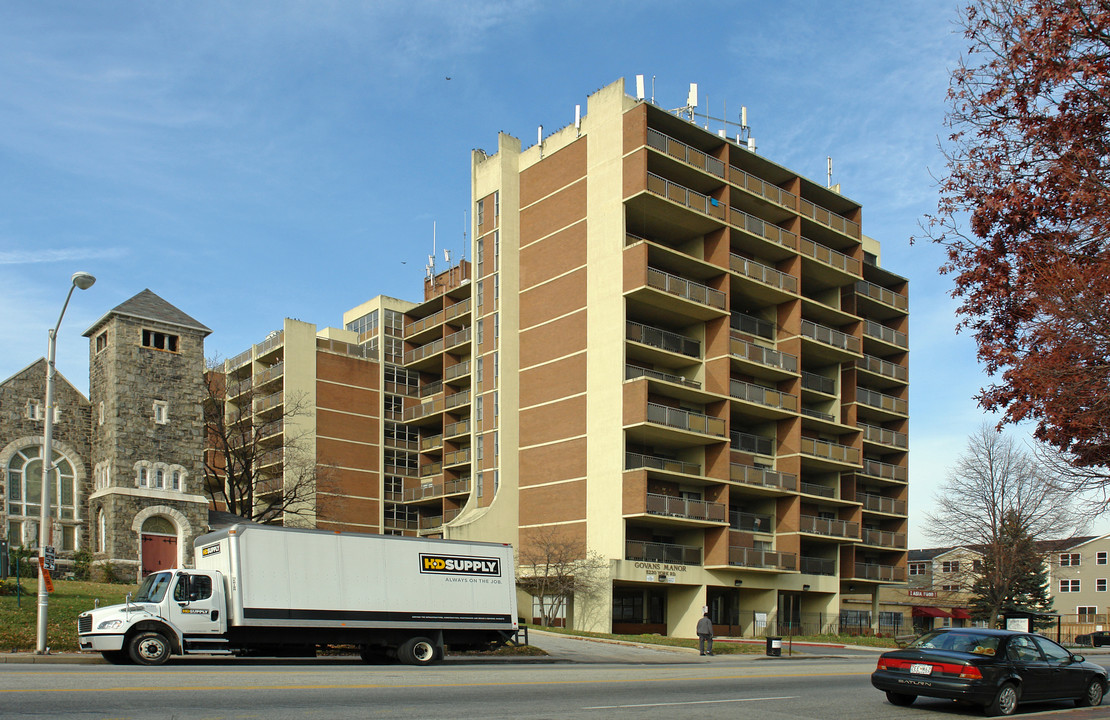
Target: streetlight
[{"x": 84, "y": 281}]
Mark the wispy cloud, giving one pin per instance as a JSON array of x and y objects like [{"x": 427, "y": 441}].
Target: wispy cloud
[{"x": 27, "y": 257}]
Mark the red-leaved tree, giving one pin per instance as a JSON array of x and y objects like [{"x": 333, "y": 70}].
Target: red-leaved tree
[{"x": 1028, "y": 172}]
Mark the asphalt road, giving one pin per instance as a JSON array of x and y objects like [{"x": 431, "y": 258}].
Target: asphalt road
[{"x": 598, "y": 681}]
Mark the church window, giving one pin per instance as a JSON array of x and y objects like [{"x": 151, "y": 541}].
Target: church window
[
  {"x": 159, "y": 340},
  {"x": 102, "y": 341},
  {"x": 161, "y": 411}
]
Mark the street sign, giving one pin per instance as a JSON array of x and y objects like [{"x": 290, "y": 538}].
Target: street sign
[
  {"x": 45, "y": 572},
  {"x": 48, "y": 557}
]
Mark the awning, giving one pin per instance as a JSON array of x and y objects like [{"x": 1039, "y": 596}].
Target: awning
[
  {"x": 960, "y": 614},
  {"x": 924, "y": 611}
]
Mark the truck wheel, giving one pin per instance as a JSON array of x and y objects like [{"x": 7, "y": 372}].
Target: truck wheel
[
  {"x": 149, "y": 648},
  {"x": 417, "y": 651}
]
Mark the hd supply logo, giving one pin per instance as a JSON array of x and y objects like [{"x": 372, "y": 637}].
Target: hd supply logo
[
  {"x": 460, "y": 565},
  {"x": 210, "y": 550}
]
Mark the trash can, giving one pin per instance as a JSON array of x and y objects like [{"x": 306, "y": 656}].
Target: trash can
[{"x": 774, "y": 646}]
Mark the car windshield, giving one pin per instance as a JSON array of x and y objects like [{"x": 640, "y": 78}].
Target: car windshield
[
  {"x": 969, "y": 642},
  {"x": 154, "y": 588}
]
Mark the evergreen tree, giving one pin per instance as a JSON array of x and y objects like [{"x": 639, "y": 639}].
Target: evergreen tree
[{"x": 1013, "y": 577}]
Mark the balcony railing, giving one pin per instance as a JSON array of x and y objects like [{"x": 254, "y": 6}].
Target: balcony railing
[
  {"x": 685, "y": 420},
  {"x": 882, "y": 294},
  {"x": 631, "y": 372},
  {"x": 269, "y": 402},
  {"x": 764, "y": 229},
  {"x": 271, "y": 373},
  {"x": 820, "y": 383},
  {"x": 762, "y": 395},
  {"x": 815, "y": 489},
  {"x": 437, "y": 490},
  {"x": 750, "y": 557},
  {"x": 884, "y": 538},
  {"x": 423, "y": 324},
  {"x": 750, "y": 522},
  {"x": 275, "y": 340},
  {"x": 685, "y": 196},
  {"x": 430, "y": 469},
  {"x": 457, "y": 370},
  {"x": 876, "y": 434},
  {"x": 430, "y": 443},
  {"x": 241, "y": 359},
  {"x": 830, "y": 451},
  {"x": 458, "y": 457},
  {"x": 763, "y": 356},
  {"x": 457, "y": 338},
  {"x": 875, "y": 468},
  {"x": 662, "y": 553},
  {"x": 681, "y": 151},
  {"x": 430, "y": 389},
  {"x": 427, "y": 350},
  {"x": 886, "y": 573},
  {"x": 828, "y": 256},
  {"x": 760, "y": 187},
  {"x": 462, "y": 427},
  {"x": 662, "y": 339},
  {"x": 878, "y": 503},
  {"x": 749, "y": 443},
  {"x": 637, "y": 461},
  {"x": 670, "y": 506},
  {"x": 882, "y": 332},
  {"x": 762, "y": 477},
  {"x": 752, "y": 325},
  {"x": 828, "y": 218},
  {"x": 762, "y": 273},
  {"x": 828, "y": 526},
  {"x": 884, "y": 368},
  {"x": 882, "y": 401},
  {"x": 687, "y": 289},
  {"x": 817, "y": 566},
  {"x": 819, "y": 414},
  {"x": 828, "y": 336}
]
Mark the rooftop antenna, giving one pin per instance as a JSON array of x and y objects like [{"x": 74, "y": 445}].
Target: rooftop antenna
[
  {"x": 829, "y": 185},
  {"x": 692, "y": 100},
  {"x": 639, "y": 87},
  {"x": 539, "y": 139},
  {"x": 652, "y": 89},
  {"x": 464, "y": 236},
  {"x": 578, "y": 119}
]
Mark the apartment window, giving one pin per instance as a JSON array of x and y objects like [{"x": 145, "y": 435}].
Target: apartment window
[
  {"x": 161, "y": 411},
  {"x": 1100, "y": 558},
  {"x": 496, "y": 250},
  {"x": 478, "y": 485},
  {"x": 1100, "y": 585},
  {"x": 495, "y": 445},
  {"x": 364, "y": 324},
  {"x": 481, "y": 331},
  {"x": 951, "y": 588},
  {"x": 1069, "y": 559},
  {"x": 496, "y": 481},
  {"x": 480, "y": 254},
  {"x": 917, "y": 568},
  {"x": 497, "y": 203},
  {"x": 496, "y": 287},
  {"x": 479, "y": 448},
  {"x": 478, "y": 408},
  {"x": 100, "y": 413},
  {"x": 102, "y": 341},
  {"x": 1087, "y": 613},
  {"x": 394, "y": 349},
  {"x": 496, "y": 327},
  {"x": 496, "y": 404},
  {"x": 394, "y": 323},
  {"x": 480, "y": 211},
  {"x": 977, "y": 566},
  {"x": 495, "y": 366},
  {"x": 1069, "y": 586},
  {"x": 159, "y": 340},
  {"x": 950, "y": 566},
  {"x": 478, "y": 291},
  {"x": 394, "y": 406}
]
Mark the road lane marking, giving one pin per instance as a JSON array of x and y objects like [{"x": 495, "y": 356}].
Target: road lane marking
[{"x": 689, "y": 702}]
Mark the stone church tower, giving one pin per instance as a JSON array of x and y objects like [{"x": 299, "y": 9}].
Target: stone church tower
[{"x": 146, "y": 392}]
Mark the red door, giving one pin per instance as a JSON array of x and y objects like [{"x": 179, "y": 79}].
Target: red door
[{"x": 159, "y": 553}]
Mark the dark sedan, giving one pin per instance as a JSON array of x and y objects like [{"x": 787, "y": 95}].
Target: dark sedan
[
  {"x": 996, "y": 669},
  {"x": 1094, "y": 639}
]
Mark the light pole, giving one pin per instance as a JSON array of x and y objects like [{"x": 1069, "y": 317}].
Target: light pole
[{"x": 84, "y": 281}]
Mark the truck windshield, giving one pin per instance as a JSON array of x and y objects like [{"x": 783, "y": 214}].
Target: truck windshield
[{"x": 153, "y": 588}]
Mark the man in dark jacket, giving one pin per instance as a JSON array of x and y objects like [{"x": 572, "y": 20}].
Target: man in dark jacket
[{"x": 705, "y": 635}]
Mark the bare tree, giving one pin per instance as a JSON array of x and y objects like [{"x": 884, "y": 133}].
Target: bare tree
[
  {"x": 998, "y": 501},
  {"x": 257, "y": 464},
  {"x": 555, "y": 567}
]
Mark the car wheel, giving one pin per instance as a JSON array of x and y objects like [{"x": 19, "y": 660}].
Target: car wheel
[
  {"x": 1005, "y": 701},
  {"x": 1092, "y": 695},
  {"x": 417, "y": 651},
  {"x": 149, "y": 648},
  {"x": 900, "y": 698}
]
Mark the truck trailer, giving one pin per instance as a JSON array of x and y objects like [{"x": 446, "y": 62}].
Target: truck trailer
[{"x": 264, "y": 590}]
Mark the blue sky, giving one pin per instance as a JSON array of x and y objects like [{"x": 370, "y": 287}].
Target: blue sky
[{"x": 254, "y": 160}]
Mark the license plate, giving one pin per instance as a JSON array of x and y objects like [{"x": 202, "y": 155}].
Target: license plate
[{"x": 921, "y": 669}]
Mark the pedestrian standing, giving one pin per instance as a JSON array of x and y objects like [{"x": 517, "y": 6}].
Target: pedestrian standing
[{"x": 705, "y": 635}]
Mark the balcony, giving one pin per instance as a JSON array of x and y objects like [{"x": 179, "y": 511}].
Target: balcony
[
  {"x": 431, "y": 523},
  {"x": 817, "y": 566},
  {"x": 762, "y": 188},
  {"x": 882, "y": 436},
  {"x": 686, "y": 289},
  {"x": 832, "y": 338},
  {"x": 430, "y": 469},
  {"x": 455, "y": 339},
  {"x": 241, "y": 359},
  {"x": 456, "y": 429},
  {"x": 750, "y": 522},
  {"x": 274, "y": 341},
  {"x": 880, "y": 504},
  {"x": 829, "y": 219},
  {"x": 662, "y": 553},
  {"x": 828, "y": 527},
  {"x": 819, "y": 490},
  {"x": 772, "y": 363},
  {"x": 685, "y": 420},
  {"x": 764, "y": 396},
  {"x": 437, "y": 490},
  {"x": 749, "y": 443},
  {"x": 418, "y": 326},
  {"x": 882, "y": 295},
  {"x": 878, "y": 331},
  {"x": 685, "y": 153},
  {"x": 762, "y": 559},
  {"x": 751, "y": 325},
  {"x": 458, "y": 457},
  {"x": 834, "y": 452},
  {"x": 632, "y": 372},
  {"x": 676, "y": 507},
  {"x": 818, "y": 383},
  {"x": 885, "y": 368},
  {"x": 881, "y": 401},
  {"x": 883, "y": 538},
  {"x": 762, "y": 274},
  {"x": 268, "y": 403},
  {"x": 886, "y": 471},
  {"x": 432, "y": 388},
  {"x": 456, "y": 371},
  {"x": 436, "y": 405},
  {"x": 829, "y": 257},
  {"x": 762, "y": 228},
  {"x": 274, "y": 372},
  {"x": 692, "y": 199},
  {"x": 432, "y": 442},
  {"x": 762, "y": 477},
  {"x": 882, "y": 573},
  {"x": 424, "y": 351},
  {"x": 639, "y": 461},
  {"x": 662, "y": 339}
]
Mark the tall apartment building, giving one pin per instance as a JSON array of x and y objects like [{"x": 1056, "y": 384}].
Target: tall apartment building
[{"x": 670, "y": 353}]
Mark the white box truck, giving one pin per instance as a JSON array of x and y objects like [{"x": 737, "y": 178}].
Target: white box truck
[{"x": 265, "y": 590}]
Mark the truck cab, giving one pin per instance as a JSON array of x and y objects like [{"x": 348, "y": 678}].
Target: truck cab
[{"x": 173, "y": 612}]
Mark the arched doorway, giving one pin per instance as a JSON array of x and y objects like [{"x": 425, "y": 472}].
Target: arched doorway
[{"x": 159, "y": 544}]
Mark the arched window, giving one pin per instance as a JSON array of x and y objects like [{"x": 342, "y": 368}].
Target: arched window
[
  {"x": 25, "y": 489},
  {"x": 101, "y": 532}
]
